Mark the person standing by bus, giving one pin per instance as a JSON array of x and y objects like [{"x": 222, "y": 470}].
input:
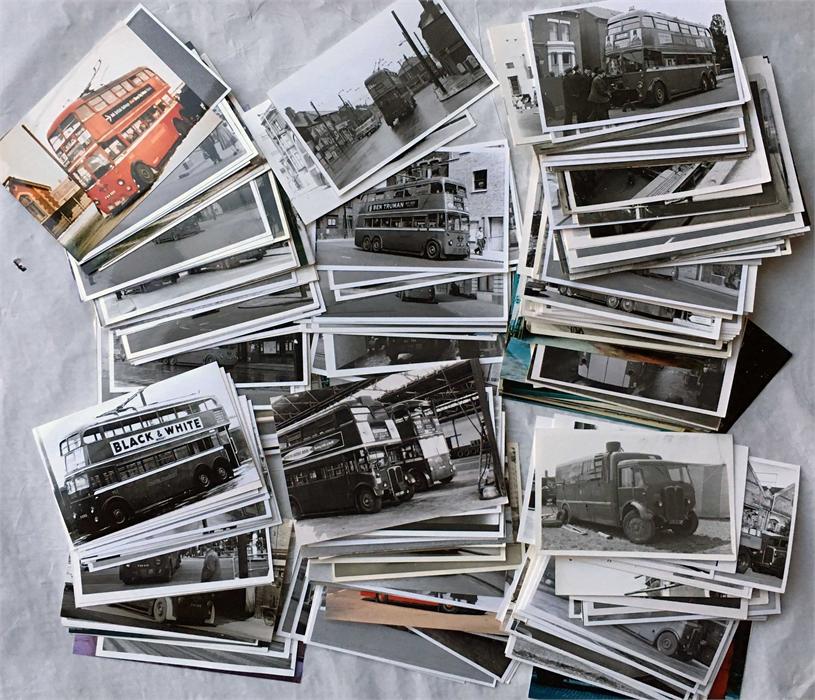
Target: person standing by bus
[
  {"x": 584, "y": 106},
  {"x": 211, "y": 570},
  {"x": 600, "y": 96},
  {"x": 571, "y": 96}
]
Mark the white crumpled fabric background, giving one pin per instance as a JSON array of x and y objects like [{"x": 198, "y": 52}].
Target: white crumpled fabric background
[{"x": 47, "y": 366}]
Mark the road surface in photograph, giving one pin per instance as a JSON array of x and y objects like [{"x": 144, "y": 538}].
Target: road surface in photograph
[
  {"x": 343, "y": 252},
  {"x": 357, "y": 159},
  {"x": 136, "y": 646},
  {"x": 128, "y": 375}
]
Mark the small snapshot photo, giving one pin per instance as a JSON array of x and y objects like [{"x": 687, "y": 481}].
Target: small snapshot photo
[
  {"x": 136, "y": 457},
  {"x": 448, "y": 210},
  {"x": 402, "y": 608},
  {"x": 657, "y": 494},
  {"x": 209, "y": 566},
  {"x": 619, "y": 60},
  {"x": 102, "y": 137},
  {"x": 385, "y": 86},
  {"x": 767, "y": 522},
  {"x": 388, "y": 450}
]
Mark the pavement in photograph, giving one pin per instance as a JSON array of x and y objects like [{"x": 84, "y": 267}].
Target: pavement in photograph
[
  {"x": 107, "y": 580},
  {"x": 459, "y": 496},
  {"x": 378, "y": 148},
  {"x": 711, "y": 537},
  {"x": 350, "y": 606},
  {"x": 249, "y": 373},
  {"x": 342, "y": 251}
]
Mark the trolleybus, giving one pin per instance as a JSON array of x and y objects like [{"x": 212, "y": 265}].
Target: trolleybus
[
  {"x": 114, "y": 140},
  {"x": 426, "y": 217},
  {"x": 393, "y": 98},
  {"x": 652, "y": 57},
  {"x": 133, "y": 459}
]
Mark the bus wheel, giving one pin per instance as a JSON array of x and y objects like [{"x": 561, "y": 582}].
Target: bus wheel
[
  {"x": 381, "y": 598},
  {"x": 160, "y": 610},
  {"x": 210, "y": 358},
  {"x": 659, "y": 94},
  {"x": 447, "y": 479},
  {"x": 410, "y": 492},
  {"x": 447, "y": 608},
  {"x": 368, "y": 501},
  {"x": 612, "y": 302},
  {"x": 689, "y": 526},
  {"x": 182, "y": 127},
  {"x": 143, "y": 174},
  {"x": 366, "y": 243},
  {"x": 422, "y": 484},
  {"x": 376, "y": 244},
  {"x": 744, "y": 560},
  {"x": 637, "y": 529},
  {"x": 704, "y": 84},
  {"x": 564, "y": 514},
  {"x": 627, "y": 305},
  {"x": 203, "y": 479},
  {"x": 432, "y": 250},
  {"x": 221, "y": 472},
  {"x": 667, "y": 643},
  {"x": 117, "y": 513}
]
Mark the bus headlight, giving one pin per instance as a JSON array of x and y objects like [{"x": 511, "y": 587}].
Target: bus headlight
[{"x": 120, "y": 182}]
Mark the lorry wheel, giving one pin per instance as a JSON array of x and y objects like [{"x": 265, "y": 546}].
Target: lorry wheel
[
  {"x": 667, "y": 643},
  {"x": 689, "y": 526},
  {"x": 637, "y": 529},
  {"x": 744, "y": 560}
]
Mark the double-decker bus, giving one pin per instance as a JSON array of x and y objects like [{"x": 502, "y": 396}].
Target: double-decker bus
[
  {"x": 422, "y": 451},
  {"x": 393, "y": 98},
  {"x": 426, "y": 217},
  {"x": 338, "y": 461},
  {"x": 130, "y": 460},
  {"x": 652, "y": 57},
  {"x": 641, "y": 493},
  {"x": 114, "y": 140}
]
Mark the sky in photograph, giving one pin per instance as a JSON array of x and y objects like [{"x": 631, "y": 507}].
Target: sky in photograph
[
  {"x": 23, "y": 157},
  {"x": 700, "y": 11},
  {"x": 120, "y": 52},
  {"x": 346, "y": 65},
  {"x": 772, "y": 476}
]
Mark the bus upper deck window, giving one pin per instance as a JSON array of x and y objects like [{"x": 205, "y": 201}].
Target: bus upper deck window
[
  {"x": 435, "y": 188},
  {"x": 648, "y": 22}
]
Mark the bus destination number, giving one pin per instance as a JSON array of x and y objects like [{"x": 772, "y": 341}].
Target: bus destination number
[
  {"x": 157, "y": 435},
  {"x": 391, "y": 206}
]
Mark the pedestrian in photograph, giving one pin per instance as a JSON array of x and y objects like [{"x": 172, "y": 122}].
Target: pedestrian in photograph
[
  {"x": 572, "y": 87},
  {"x": 211, "y": 570},
  {"x": 599, "y": 96},
  {"x": 210, "y": 149}
]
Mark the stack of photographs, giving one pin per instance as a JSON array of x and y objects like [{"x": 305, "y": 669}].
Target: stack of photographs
[
  {"x": 648, "y": 551},
  {"x": 178, "y": 552},
  {"x": 403, "y": 509},
  {"x": 655, "y": 195}
]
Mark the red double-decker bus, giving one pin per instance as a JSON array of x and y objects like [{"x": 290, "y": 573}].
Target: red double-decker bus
[{"x": 115, "y": 139}]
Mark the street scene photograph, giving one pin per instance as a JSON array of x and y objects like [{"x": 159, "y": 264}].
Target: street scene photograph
[
  {"x": 381, "y": 89},
  {"x": 655, "y": 495},
  {"x": 448, "y": 210},
  {"x": 388, "y": 450},
  {"x": 688, "y": 382},
  {"x": 64, "y": 161},
  {"x": 620, "y": 59}
]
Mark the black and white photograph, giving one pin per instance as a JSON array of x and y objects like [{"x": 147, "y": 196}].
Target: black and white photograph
[
  {"x": 446, "y": 211},
  {"x": 693, "y": 384},
  {"x": 767, "y": 525},
  {"x": 480, "y": 301},
  {"x": 237, "y": 561},
  {"x": 617, "y": 60},
  {"x": 351, "y": 355},
  {"x": 275, "y": 359},
  {"x": 388, "y": 450},
  {"x": 228, "y": 225},
  {"x": 637, "y": 494},
  {"x": 168, "y": 337},
  {"x": 382, "y": 88},
  {"x": 310, "y": 191},
  {"x": 65, "y": 159},
  {"x": 183, "y": 433}
]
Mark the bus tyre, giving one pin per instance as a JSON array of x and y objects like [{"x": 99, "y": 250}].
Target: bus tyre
[
  {"x": 704, "y": 84},
  {"x": 689, "y": 526},
  {"x": 203, "y": 479},
  {"x": 447, "y": 479},
  {"x": 210, "y": 358},
  {"x": 143, "y": 174},
  {"x": 117, "y": 513},
  {"x": 637, "y": 529},
  {"x": 376, "y": 244},
  {"x": 422, "y": 484},
  {"x": 160, "y": 610},
  {"x": 182, "y": 127},
  {"x": 410, "y": 492},
  {"x": 447, "y": 608},
  {"x": 381, "y": 598},
  {"x": 667, "y": 643},
  {"x": 366, "y": 243},
  {"x": 744, "y": 560},
  {"x": 612, "y": 302},
  {"x": 627, "y": 305},
  {"x": 659, "y": 94},
  {"x": 368, "y": 501},
  {"x": 221, "y": 472},
  {"x": 432, "y": 250}
]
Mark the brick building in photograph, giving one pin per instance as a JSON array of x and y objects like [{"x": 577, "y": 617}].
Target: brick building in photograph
[
  {"x": 338, "y": 223},
  {"x": 55, "y": 208}
]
